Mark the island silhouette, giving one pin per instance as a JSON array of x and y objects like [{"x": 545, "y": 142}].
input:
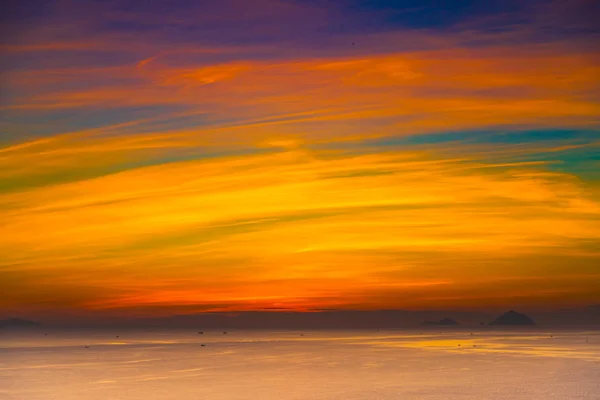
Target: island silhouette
[
  {"x": 204, "y": 322},
  {"x": 513, "y": 318}
]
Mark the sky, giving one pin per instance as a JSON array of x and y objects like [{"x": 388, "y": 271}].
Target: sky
[{"x": 162, "y": 158}]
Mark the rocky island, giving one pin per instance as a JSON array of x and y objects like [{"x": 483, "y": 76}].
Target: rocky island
[{"x": 512, "y": 318}]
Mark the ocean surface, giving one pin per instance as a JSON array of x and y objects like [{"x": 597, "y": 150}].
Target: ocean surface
[{"x": 334, "y": 365}]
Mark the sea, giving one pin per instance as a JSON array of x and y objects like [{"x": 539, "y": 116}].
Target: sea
[{"x": 432, "y": 364}]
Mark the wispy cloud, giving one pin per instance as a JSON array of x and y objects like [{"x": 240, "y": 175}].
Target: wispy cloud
[{"x": 167, "y": 163}]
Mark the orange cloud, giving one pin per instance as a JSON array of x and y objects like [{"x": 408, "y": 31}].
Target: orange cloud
[
  {"x": 220, "y": 179},
  {"x": 297, "y": 227},
  {"x": 394, "y": 93}
]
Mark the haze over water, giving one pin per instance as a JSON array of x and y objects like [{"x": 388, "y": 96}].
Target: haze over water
[{"x": 299, "y": 365}]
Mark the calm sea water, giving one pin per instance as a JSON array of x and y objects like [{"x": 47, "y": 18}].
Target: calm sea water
[{"x": 335, "y": 365}]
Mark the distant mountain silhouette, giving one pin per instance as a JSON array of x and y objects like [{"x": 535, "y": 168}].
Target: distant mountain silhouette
[
  {"x": 318, "y": 319},
  {"x": 18, "y": 323},
  {"x": 512, "y": 318},
  {"x": 329, "y": 319},
  {"x": 444, "y": 321}
]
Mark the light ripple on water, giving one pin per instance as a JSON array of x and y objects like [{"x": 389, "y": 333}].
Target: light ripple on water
[{"x": 318, "y": 365}]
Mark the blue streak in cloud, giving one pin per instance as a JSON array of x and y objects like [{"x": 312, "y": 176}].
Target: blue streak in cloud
[
  {"x": 55, "y": 122},
  {"x": 385, "y": 15},
  {"x": 491, "y": 136},
  {"x": 582, "y": 161}
]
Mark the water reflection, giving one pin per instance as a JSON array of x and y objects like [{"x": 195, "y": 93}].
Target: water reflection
[{"x": 285, "y": 365}]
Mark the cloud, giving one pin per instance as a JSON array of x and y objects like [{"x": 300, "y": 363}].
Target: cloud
[
  {"x": 295, "y": 224},
  {"x": 196, "y": 157}
]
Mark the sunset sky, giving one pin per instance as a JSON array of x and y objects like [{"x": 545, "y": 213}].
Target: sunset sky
[{"x": 176, "y": 157}]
